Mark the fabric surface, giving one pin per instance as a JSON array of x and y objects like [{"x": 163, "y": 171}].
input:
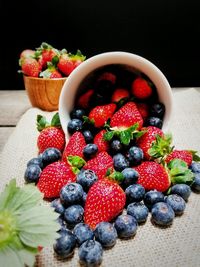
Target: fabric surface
[{"x": 177, "y": 245}]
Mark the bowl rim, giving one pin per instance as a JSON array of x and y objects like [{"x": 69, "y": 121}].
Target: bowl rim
[
  {"x": 115, "y": 57},
  {"x": 45, "y": 79}
]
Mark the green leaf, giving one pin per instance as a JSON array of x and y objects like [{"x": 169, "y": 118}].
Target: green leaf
[
  {"x": 87, "y": 120},
  {"x": 55, "y": 60},
  {"x": 108, "y": 135},
  {"x": 161, "y": 146},
  {"x": 7, "y": 195},
  {"x": 76, "y": 161},
  {"x": 195, "y": 157},
  {"x": 177, "y": 163},
  {"x": 41, "y": 122},
  {"x": 56, "y": 120},
  {"x": 125, "y": 137}
]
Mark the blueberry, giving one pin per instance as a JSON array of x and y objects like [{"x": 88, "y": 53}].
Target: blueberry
[
  {"x": 88, "y": 136},
  {"x": 130, "y": 176},
  {"x": 36, "y": 161},
  {"x": 90, "y": 253},
  {"x": 139, "y": 211},
  {"x": 90, "y": 150},
  {"x": 196, "y": 183},
  {"x": 120, "y": 162},
  {"x": 195, "y": 167},
  {"x": 77, "y": 113},
  {"x": 84, "y": 199},
  {"x": 182, "y": 190},
  {"x": 57, "y": 205},
  {"x": 154, "y": 121},
  {"x": 135, "y": 155},
  {"x": 177, "y": 203},
  {"x": 106, "y": 234},
  {"x": 65, "y": 244},
  {"x": 74, "y": 125},
  {"x": 126, "y": 226},
  {"x": 83, "y": 233},
  {"x": 32, "y": 173},
  {"x": 116, "y": 146},
  {"x": 73, "y": 214},
  {"x": 152, "y": 197},
  {"x": 86, "y": 178},
  {"x": 51, "y": 155},
  {"x": 134, "y": 193},
  {"x": 157, "y": 110},
  {"x": 162, "y": 214},
  {"x": 71, "y": 193}
]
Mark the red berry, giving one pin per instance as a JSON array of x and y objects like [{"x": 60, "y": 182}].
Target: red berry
[
  {"x": 119, "y": 94},
  {"x": 100, "y": 142},
  {"x": 84, "y": 99},
  {"x": 141, "y": 89},
  {"x": 180, "y": 154}
]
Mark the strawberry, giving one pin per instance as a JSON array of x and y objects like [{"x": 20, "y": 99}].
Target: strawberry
[
  {"x": 143, "y": 108},
  {"x": 141, "y": 89},
  {"x": 108, "y": 76},
  {"x": 105, "y": 200},
  {"x": 184, "y": 155},
  {"x": 68, "y": 62},
  {"x": 126, "y": 116},
  {"x": 30, "y": 67},
  {"x": 100, "y": 164},
  {"x": 51, "y": 72},
  {"x": 84, "y": 99},
  {"x": 74, "y": 146},
  {"x": 119, "y": 94},
  {"x": 51, "y": 134},
  {"x": 27, "y": 53},
  {"x": 46, "y": 53},
  {"x": 54, "y": 177},
  {"x": 102, "y": 144},
  {"x": 153, "y": 175},
  {"x": 100, "y": 114}
]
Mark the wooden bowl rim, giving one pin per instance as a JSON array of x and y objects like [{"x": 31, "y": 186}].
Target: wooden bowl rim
[{"x": 44, "y": 79}]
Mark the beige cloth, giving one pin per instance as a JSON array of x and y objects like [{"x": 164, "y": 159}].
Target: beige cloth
[{"x": 178, "y": 245}]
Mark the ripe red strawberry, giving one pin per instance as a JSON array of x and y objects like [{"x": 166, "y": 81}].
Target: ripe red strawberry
[
  {"x": 126, "y": 116},
  {"x": 141, "y": 89},
  {"x": 153, "y": 176},
  {"x": 119, "y": 94},
  {"x": 51, "y": 134},
  {"x": 30, "y": 67},
  {"x": 100, "y": 142},
  {"x": 143, "y": 109},
  {"x": 51, "y": 72},
  {"x": 147, "y": 139},
  {"x": 68, "y": 62},
  {"x": 84, "y": 99},
  {"x": 54, "y": 177},
  {"x": 105, "y": 200},
  {"x": 108, "y": 76},
  {"x": 46, "y": 53},
  {"x": 100, "y": 164},
  {"x": 184, "y": 155},
  {"x": 100, "y": 114},
  {"x": 27, "y": 53},
  {"x": 74, "y": 146}
]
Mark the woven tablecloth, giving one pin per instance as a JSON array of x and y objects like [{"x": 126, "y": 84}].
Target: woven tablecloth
[{"x": 178, "y": 245}]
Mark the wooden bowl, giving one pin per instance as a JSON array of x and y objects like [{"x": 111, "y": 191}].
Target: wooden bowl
[{"x": 44, "y": 93}]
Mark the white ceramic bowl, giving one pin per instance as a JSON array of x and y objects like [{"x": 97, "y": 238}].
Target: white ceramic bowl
[{"x": 70, "y": 87}]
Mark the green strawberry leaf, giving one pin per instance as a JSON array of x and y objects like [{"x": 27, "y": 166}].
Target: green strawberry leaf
[
  {"x": 56, "y": 120},
  {"x": 76, "y": 161},
  {"x": 125, "y": 137},
  {"x": 195, "y": 157},
  {"x": 88, "y": 120},
  {"x": 55, "y": 60},
  {"x": 41, "y": 122},
  {"x": 161, "y": 146},
  {"x": 108, "y": 135}
]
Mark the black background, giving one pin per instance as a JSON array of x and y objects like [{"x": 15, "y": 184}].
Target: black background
[{"x": 166, "y": 32}]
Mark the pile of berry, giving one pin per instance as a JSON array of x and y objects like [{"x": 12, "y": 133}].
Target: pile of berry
[
  {"x": 49, "y": 62},
  {"x": 117, "y": 167}
]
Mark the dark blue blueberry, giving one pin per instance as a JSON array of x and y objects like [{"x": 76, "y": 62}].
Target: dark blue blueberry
[
  {"x": 32, "y": 173},
  {"x": 135, "y": 155},
  {"x": 116, "y": 146},
  {"x": 152, "y": 197},
  {"x": 177, "y": 203},
  {"x": 71, "y": 193},
  {"x": 74, "y": 125},
  {"x": 195, "y": 167},
  {"x": 157, "y": 110},
  {"x": 130, "y": 176},
  {"x": 65, "y": 244},
  {"x": 90, "y": 253},
  {"x": 51, "y": 155},
  {"x": 154, "y": 121},
  {"x": 196, "y": 183},
  {"x": 106, "y": 234},
  {"x": 73, "y": 214},
  {"x": 126, "y": 226},
  {"x": 134, "y": 193},
  {"x": 58, "y": 206},
  {"x": 77, "y": 113},
  {"x": 36, "y": 161},
  {"x": 120, "y": 162},
  {"x": 90, "y": 150},
  {"x": 84, "y": 199},
  {"x": 61, "y": 222},
  {"x": 86, "y": 178},
  {"x": 182, "y": 190},
  {"x": 139, "y": 211},
  {"x": 162, "y": 214},
  {"x": 83, "y": 233},
  {"x": 88, "y": 136}
]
